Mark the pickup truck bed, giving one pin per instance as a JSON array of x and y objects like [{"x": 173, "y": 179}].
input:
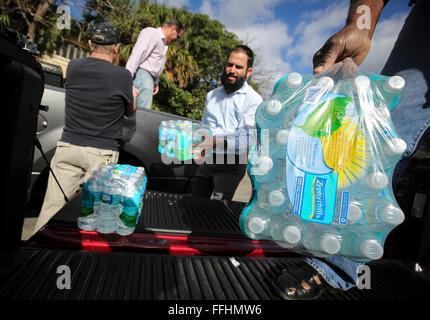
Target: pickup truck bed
[
  {"x": 132, "y": 276},
  {"x": 184, "y": 248}
]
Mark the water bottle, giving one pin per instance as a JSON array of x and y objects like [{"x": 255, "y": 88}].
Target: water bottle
[
  {"x": 392, "y": 150},
  {"x": 278, "y": 143},
  {"x": 387, "y": 147},
  {"x": 349, "y": 209},
  {"x": 88, "y": 219},
  {"x": 171, "y": 139},
  {"x": 370, "y": 184},
  {"x": 314, "y": 93},
  {"x": 273, "y": 197},
  {"x": 264, "y": 168},
  {"x": 91, "y": 198},
  {"x": 258, "y": 223},
  {"x": 361, "y": 245},
  {"x": 321, "y": 240},
  {"x": 162, "y": 137},
  {"x": 133, "y": 190},
  {"x": 385, "y": 213},
  {"x": 269, "y": 114},
  {"x": 376, "y": 180},
  {"x": 127, "y": 221},
  {"x": 288, "y": 87},
  {"x": 389, "y": 90},
  {"x": 318, "y": 88},
  {"x": 287, "y": 230},
  {"x": 183, "y": 141},
  {"x": 111, "y": 205}
]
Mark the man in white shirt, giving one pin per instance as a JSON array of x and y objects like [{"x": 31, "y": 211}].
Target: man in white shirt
[
  {"x": 230, "y": 113},
  {"x": 146, "y": 62}
]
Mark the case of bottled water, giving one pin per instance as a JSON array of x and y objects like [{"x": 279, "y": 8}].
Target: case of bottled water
[
  {"x": 322, "y": 168},
  {"x": 177, "y": 137},
  {"x": 112, "y": 199}
]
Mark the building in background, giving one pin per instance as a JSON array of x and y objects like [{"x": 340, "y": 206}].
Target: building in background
[{"x": 63, "y": 55}]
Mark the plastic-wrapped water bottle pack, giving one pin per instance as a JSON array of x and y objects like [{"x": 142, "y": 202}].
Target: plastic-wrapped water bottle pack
[
  {"x": 322, "y": 168},
  {"x": 176, "y": 138},
  {"x": 112, "y": 199}
]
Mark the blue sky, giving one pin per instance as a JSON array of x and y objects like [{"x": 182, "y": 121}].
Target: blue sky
[{"x": 286, "y": 33}]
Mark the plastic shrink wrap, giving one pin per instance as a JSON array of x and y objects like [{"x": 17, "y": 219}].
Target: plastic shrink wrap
[
  {"x": 322, "y": 167},
  {"x": 177, "y": 137}
]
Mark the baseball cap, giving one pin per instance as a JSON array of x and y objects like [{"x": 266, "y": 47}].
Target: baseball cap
[{"x": 104, "y": 33}]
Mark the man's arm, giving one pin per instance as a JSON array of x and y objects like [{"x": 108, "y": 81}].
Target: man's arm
[
  {"x": 353, "y": 41},
  {"x": 209, "y": 142},
  {"x": 237, "y": 142},
  {"x": 131, "y": 110}
]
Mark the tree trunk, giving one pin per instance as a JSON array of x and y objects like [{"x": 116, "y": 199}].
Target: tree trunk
[{"x": 39, "y": 15}]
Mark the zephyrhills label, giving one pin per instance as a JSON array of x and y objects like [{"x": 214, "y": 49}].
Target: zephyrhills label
[
  {"x": 326, "y": 150},
  {"x": 319, "y": 198},
  {"x": 319, "y": 207}
]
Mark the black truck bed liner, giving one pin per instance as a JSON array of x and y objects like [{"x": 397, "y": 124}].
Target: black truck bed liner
[
  {"x": 133, "y": 276},
  {"x": 143, "y": 274},
  {"x": 173, "y": 213}
]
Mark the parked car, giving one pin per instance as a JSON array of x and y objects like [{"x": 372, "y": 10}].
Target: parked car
[{"x": 141, "y": 150}]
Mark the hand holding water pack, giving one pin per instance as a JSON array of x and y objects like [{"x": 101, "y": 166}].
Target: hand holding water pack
[
  {"x": 322, "y": 169},
  {"x": 176, "y": 138}
]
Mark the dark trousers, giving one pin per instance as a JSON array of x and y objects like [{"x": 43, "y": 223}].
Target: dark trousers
[{"x": 220, "y": 179}]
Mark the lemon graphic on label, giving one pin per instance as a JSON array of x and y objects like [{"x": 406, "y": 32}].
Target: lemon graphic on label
[
  {"x": 345, "y": 148},
  {"x": 346, "y": 151},
  {"x": 326, "y": 117}
]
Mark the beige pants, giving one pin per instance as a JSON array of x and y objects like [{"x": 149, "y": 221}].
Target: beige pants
[{"x": 72, "y": 165}]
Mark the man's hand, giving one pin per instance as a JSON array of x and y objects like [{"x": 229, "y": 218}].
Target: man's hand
[
  {"x": 349, "y": 42},
  {"x": 200, "y": 150},
  {"x": 353, "y": 41},
  {"x": 156, "y": 88},
  {"x": 135, "y": 92}
]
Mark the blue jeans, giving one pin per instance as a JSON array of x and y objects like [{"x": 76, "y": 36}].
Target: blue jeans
[
  {"x": 144, "y": 81},
  {"x": 411, "y": 117},
  {"x": 344, "y": 279}
]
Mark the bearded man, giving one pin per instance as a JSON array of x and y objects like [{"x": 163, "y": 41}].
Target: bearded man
[{"x": 230, "y": 114}]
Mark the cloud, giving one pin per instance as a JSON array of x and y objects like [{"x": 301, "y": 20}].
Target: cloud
[
  {"x": 310, "y": 35},
  {"x": 173, "y": 3},
  {"x": 253, "y": 21},
  {"x": 207, "y": 8},
  {"x": 383, "y": 40},
  {"x": 239, "y": 14},
  {"x": 269, "y": 65}
]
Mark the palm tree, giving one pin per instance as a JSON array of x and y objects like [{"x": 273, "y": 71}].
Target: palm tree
[{"x": 181, "y": 67}]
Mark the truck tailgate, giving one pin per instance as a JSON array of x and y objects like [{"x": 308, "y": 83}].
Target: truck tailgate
[{"x": 131, "y": 276}]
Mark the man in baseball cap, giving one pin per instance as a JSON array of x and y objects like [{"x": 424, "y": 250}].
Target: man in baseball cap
[
  {"x": 98, "y": 96},
  {"x": 104, "y": 34}
]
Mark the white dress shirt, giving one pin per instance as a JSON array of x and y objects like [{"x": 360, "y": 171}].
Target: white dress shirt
[{"x": 232, "y": 117}]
